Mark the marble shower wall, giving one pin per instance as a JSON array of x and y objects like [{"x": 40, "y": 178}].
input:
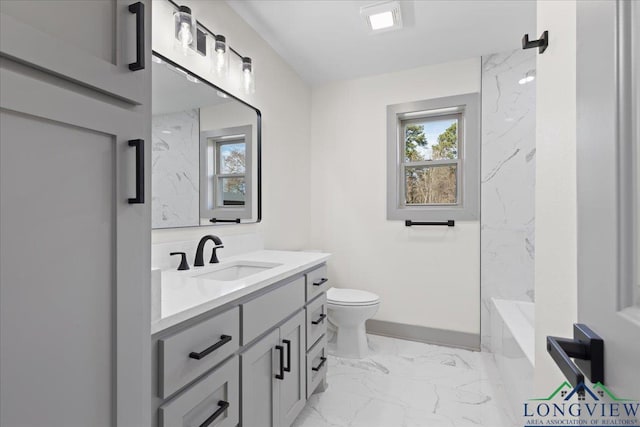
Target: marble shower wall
[
  {"x": 175, "y": 168},
  {"x": 508, "y": 179}
]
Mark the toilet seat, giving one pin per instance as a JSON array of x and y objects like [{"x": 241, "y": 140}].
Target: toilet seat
[{"x": 351, "y": 297}]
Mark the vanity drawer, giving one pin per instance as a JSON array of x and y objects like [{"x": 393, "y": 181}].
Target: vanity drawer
[
  {"x": 316, "y": 319},
  {"x": 317, "y": 282},
  {"x": 216, "y": 396},
  {"x": 266, "y": 311},
  {"x": 186, "y": 355},
  {"x": 316, "y": 365}
]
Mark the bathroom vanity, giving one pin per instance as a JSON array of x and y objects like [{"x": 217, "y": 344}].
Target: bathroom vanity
[{"x": 241, "y": 342}]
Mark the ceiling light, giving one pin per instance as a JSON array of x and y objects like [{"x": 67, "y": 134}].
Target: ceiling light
[{"x": 383, "y": 16}]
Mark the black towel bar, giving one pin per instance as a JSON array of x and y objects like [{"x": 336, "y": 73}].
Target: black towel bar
[
  {"x": 215, "y": 220},
  {"x": 448, "y": 223}
]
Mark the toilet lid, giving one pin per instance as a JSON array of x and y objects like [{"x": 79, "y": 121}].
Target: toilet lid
[{"x": 351, "y": 297}]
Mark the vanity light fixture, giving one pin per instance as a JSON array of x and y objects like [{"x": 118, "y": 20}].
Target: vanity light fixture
[
  {"x": 382, "y": 17},
  {"x": 220, "y": 55},
  {"x": 248, "y": 78},
  {"x": 185, "y": 29}
]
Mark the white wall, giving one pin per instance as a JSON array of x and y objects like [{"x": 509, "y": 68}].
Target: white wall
[
  {"x": 426, "y": 276},
  {"x": 556, "y": 259},
  {"x": 284, "y": 100}
]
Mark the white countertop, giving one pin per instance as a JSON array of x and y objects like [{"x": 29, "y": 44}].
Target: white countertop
[{"x": 183, "y": 296}]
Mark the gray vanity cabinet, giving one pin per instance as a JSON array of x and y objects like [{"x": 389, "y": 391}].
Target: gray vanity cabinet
[
  {"x": 74, "y": 271},
  {"x": 292, "y": 387},
  {"x": 259, "y": 388},
  {"x": 268, "y": 331},
  {"x": 273, "y": 393}
]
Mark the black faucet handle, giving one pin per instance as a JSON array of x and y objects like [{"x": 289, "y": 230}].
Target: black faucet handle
[
  {"x": 214, "y": 256},
  {"x": 184, "y": 265}
]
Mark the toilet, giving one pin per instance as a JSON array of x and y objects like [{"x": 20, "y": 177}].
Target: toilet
[{"x": 348, "y": 310}]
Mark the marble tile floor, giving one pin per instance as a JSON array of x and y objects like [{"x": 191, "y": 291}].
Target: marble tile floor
[{"x": 410, "y": 384}]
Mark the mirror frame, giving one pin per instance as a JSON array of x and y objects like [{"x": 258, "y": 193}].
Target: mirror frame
[{"x": 258, "y": 159}]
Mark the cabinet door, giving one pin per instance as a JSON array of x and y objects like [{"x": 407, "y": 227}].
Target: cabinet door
[
  {"x": 86, "y": 41},
  {"x": 74, "y": 271},
  {"x": 292, "y": 387},
  {"x": 260, "y": 388}
]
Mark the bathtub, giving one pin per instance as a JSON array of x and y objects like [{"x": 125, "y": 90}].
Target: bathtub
[{"x": 512, "y": 341}]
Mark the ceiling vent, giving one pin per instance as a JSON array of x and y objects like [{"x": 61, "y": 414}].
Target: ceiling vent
[{"x": 381, "y": 17}]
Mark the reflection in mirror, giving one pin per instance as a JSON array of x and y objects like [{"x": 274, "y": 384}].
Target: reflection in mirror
[{"x": 205, "y": 152}]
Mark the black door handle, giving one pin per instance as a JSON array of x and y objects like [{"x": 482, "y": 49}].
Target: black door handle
[
  {"x": 207, "y": 351},
  {"x": 588, "y": 350},
  {"x": 322, "y": 361},
  {"x": 222, "y": 406},
  {"x": 139, "y": 144},
  {"x": 320, "y": 319},
  {"x": 280, "y": 376},
  {"x": 288, "y": 344},
  {"x": 320, "y": 282},
  {"x": 138, "y": 9}
]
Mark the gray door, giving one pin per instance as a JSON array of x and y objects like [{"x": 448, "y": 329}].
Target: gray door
[
  {"x": 292, "y": 387},
  {"x": 260, "y": 388},
  {"x": 608, "y": 77},
  {"x": 86, "y": 41},
  {"x": 74, "y": 270}
]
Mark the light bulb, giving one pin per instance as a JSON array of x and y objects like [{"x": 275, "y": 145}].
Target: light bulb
[
  {"x": 184, "y": 35},
  {"x": 220, "y": 60}
]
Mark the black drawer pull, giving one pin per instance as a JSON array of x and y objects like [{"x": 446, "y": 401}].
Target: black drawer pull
[
  {"x": 288, "y": 344},
  {"x": 320, "y": 319},
  {"x": 223, "y": 406},
  {"x": 320, "y": 282},
  {"x": 317, "y": 368},
  {"x": 280, "y": 376},
  {"x": 139, "y": 144},
  {"x": 138, "y": 9},
  {"x": 207, "y": 351}
]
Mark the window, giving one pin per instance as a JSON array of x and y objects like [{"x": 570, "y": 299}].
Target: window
[
  {"x": 227, "y": 183},
  {"x": 433, "y": 159}
]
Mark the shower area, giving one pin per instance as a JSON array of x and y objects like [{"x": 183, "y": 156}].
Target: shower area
[{"x": 507, "y": 220}]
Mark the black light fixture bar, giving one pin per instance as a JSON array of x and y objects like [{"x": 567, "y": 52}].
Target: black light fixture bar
[
  {"x": 199, "y": 24},
  {"x": 448, "y": 223}
]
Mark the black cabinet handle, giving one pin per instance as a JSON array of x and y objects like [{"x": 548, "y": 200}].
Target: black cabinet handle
[
  {"x": 280, "y": 376},
  {"x": 139, "y": 144},
  {"x": 222, "y": 406},
  {"x": 317, "y": 368},
  {"x": 320, "y": 282},
  {"x": 320, "y": 319},
  {"x": 288, "y": 344},
  {"x": 138, "y": 9},
  {"x": 207, "y": 351}
]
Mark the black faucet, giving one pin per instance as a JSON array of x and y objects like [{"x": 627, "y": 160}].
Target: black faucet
[{"x": 199, "y": 262}]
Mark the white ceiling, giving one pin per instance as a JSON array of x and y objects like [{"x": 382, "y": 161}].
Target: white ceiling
[{"x": 326, "y": 40}]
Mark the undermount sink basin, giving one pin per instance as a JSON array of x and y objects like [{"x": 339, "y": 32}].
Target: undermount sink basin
[{"x": 236, "y": 270}]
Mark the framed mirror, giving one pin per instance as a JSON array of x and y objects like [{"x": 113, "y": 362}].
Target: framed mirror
[{"x": 206, "y": 152}]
